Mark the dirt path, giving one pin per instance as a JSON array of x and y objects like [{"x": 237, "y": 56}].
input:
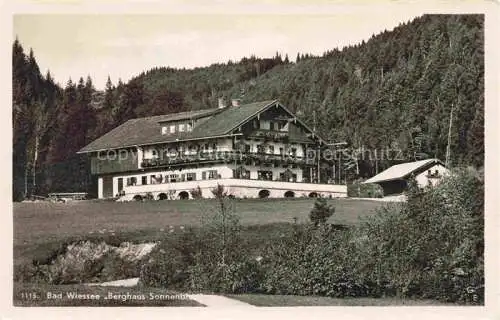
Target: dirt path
[
  {"x": 217, "y": 301},
  {"x": 208, "y": 300},
  {"x": 131, "y": 282}
]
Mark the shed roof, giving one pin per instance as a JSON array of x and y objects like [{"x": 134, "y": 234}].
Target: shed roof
[
  {"x": 403, "y": 170},
  {"x": 144, "y": 131}
]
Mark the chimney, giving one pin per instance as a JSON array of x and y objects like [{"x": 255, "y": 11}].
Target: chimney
[
  {"x": 235, "y": 102},
  {"x": 222, "y": 102}
]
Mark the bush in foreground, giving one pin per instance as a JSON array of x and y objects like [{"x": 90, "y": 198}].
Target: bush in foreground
[{"x": 429, "y": 248}]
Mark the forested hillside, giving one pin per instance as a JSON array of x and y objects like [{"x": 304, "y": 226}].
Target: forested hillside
[{"x": 396, "y": 90}]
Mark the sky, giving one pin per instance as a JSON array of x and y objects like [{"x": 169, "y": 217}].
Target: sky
[{"x": 124, "y": 45}]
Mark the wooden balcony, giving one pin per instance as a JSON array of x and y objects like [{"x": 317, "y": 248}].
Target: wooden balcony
[
  {"x": 274, "y": 135},
  {"x": 258, "y": 158}
]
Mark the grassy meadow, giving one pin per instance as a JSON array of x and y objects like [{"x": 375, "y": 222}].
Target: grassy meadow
[
  {"x": 41, "y": 228},
  {"x": 45, "y": 221}
]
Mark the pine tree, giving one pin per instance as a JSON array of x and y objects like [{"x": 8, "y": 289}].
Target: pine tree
[
  {"x": 108, "y": 97},
  {"x": 321, "y": 212},
  {"x": 286, "y": 59}
]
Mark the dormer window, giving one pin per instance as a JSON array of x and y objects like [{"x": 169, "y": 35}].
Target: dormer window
[
  {"x": 164, "y": 130},
  {"x": 189, "y": 127},
  {"x": 182, "y": 127},
  {"x": 172, "y": 129}
]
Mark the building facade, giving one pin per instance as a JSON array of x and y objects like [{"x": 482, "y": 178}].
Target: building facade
[
  {"x": 394, "y": 180},
  {"x": 254, "y": 150}
]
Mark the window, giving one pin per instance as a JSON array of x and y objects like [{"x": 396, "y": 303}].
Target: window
[
  {"x": 174, "y": 177},
  {"x": 191, "y": 176},
  {"x": 265, "y": 175},
  {"x": 132, "y": 181},
  {"x": 172, "y": 129},
  {"x": 281, "y": 151},
  {"x": 181, "y": 127},
  {"x": 271, "y": 126},
  {"x": 189, "y": 127},
  {"x": 156, "y": 179},
  {"x": 144, "y": 180},
  {"x": 191, "y": 150},
  {"x": 120, "y": 185},
  {"x": 212, "y": 174},
  {"x": 241, "y": 173},
  {"x": 271, "y": 149},
  {"x": 293, "y": 152},
  {"x": 247, "y": 148},
  {"x": 164, "y": 130}
]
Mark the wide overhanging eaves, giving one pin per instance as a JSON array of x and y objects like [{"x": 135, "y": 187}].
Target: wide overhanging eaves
[{"x": 156, "y": 143}]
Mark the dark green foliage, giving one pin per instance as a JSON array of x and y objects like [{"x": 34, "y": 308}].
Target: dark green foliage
[
  {"x": 219, "y": 192},
  {"x": 431, "y": 248},
  {"x": 167, "y": 267},
  {"x": 321, "y": 211},
  {"x": 361, "y": 190},
  {"x": 209, "y": 259},
  {"x": 196, "y": 193},
  {"x": 434, "y": 247}
]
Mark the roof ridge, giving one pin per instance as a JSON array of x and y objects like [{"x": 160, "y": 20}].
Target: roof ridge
[{"x": 200, "y": 110}]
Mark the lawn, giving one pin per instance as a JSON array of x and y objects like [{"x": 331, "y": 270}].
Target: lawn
[
  {"x": 263, "y": 300},
  {"x": 44, "y": 221},
  {"x": 41, "y": 228},
  {"x": 40, "y": 295}
]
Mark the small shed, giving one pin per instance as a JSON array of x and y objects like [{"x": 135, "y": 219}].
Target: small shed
[{"x": 394, "y": 180}]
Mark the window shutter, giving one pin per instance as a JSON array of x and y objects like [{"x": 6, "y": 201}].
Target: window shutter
[{"x": 204, "y": 175}]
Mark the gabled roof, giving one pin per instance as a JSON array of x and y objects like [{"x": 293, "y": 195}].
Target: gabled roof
[
  {"x": 187, "y": 115},
  {"x": 144, "y": 131},
  {"x": 403, "y": 170},
  {"x": 231, "y": 118}
]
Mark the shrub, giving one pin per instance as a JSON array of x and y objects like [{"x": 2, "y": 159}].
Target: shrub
[
  {"x": 166, "y": 267},
  {"x": 170, "y": 260},
  {"x": 309, "y": 261},
  {"x": 321, "y": 211},
  {"x": 238, "y": 275},
  {"x": 433, "y": 246},
  {"x": 361, "y": 190},
  {"x": 219, "y": 191},
  {"x": 210, "y": 259},
  {"x": 430, "y": 247},
  {"x": 196, "y": 193},
  {"x": 77, "y": 262}
]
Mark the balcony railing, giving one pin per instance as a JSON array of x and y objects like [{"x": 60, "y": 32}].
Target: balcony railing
[
  {"x": 271, "y": 134},
  {"x": 227, "y": 157}
]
